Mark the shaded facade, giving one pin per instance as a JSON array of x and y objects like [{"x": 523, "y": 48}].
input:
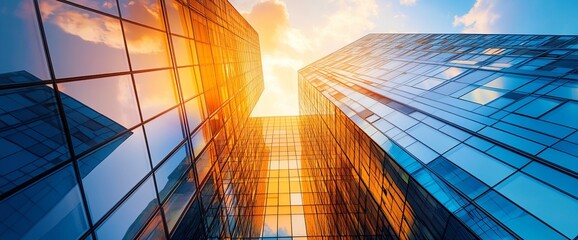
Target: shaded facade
[
  {"x": 113, "y": 114},
  {"x": 456, "y": 136}
]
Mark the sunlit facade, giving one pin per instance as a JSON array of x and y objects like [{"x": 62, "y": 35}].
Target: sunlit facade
[
  {"x": 130, "y": 120},
  {"x": 113, "y": 113},
  {"x": 456, "y": 136}
]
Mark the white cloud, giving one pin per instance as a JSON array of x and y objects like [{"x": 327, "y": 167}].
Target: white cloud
[
  {"x": 407, "y": 2},
  {"x": 480, "y": 19}
]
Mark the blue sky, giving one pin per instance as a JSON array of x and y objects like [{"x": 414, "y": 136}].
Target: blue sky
[{"x": 294, "y": 33}]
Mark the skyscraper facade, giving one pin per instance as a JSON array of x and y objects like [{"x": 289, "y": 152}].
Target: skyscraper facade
[
  {"x": 130, "y": 120},
  {"x": 456, "y": 136},
  {"x": 112, "y": 114}
]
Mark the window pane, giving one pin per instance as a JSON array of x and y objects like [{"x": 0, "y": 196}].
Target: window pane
[
  {"x": 482, "y": 95},
  {"x": 99, "y": 109},
  {"x": 107, "y": 6},
  {"x": 111, "y": 171},
  {"x": 177, "y": 202},
  {"x": 131, "y": 216},
  {"x": 21, "y": 45},
  {"x": 538, "y": 107},
  {"x": 182, "y": 51},
  {"x": 565, "y": 115},
  {"x": 555, "y": 208},
  {"x": 49, "y": 209},
  {"x": 156, "y": 92},
  {"x": 168, "y": 175},
  {"x": 154, "y": 230},
  {"x": 469, "y": 185},
  {"x": 147, "y": 12},
  {"x": 164, "y": 133},
  {"x": 147, "y": 47},
  {"x": 203, "y": 164},
  {"x": 508, "y": 82},
  {"x": 524, "y": 224},
  {"x": 480, "y": 165},
  {"x": 188, "y": 82},
  {"x": 31, "y": 135},
  {"x": 176, "y": 17},
  {"x": 195, "y": 112},
  {"x": 200, "y": 138},
  {"x": 79, "y": 40}
]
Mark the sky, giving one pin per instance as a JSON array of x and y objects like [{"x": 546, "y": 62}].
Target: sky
[{"x": 295, "y": 33}]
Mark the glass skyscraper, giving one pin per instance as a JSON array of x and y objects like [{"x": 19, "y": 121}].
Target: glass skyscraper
[
  {"x": 129, "y": 119},
  {"x": 112, "y": 114},
  {"x": 456, "y": 136}
]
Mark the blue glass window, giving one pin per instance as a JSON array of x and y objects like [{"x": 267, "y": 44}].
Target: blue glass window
[
  {"x": 524, "y": 224},
  {"x": 168, "y": 175},
  {"x": 441, "y": 143},
  {"x": 508, "y": 82},
  {"x": 440, "y": 190},
  {"x": 132, "y": 215},
  {"x": 99, "y": 109},
  {"x": 481, "y": 224},
  {"x": 469, "y": 185},
  {"x": 49, "y": 209},
  {"x": 565, "y": 115},
  {"x": 568, "y": 90},
  {"x": 547, "y": 174},
  {"x": 538, "y": 107},
  {"x": 555, "y": 208},
  {"x": 111, "y": 171},
  {"x": 164, "y": 133},
  {"x": 483, "y": 95},
  {"x": 31, "y": 134},
  {"x": 21, "y": 45},
  {"x": 480, "y": 165}
]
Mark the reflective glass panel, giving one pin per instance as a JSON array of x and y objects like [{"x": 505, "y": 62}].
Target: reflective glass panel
[
  {"x": 565, "y": 115},
  {"x": 107, "y": 6},
  {"x": 188, "y": 82},
  {"x": 182, "y": 51},
  {"x": 156, "y": 92},
  {"x": 131, "y": 216},
  {"x": 480, "y": 165},
  {"x": 79, "y": 40},
  {"x": 99, "y": 109},
  {"x": 178, "y": 201},
  {"x": 49, "y": 209},
  {"x": 168, "y": 175},
  {"x": 147, "y": 12},
  {"x": 483, "y": 95},
  {"x": 164, "y": 133},
  {"x": 21, "y": 45},
  {"x": 203, "y": 164},
  {"x": 524, "y": 224},
  {"x": 557, "y": 209},
  {"x": 195, "y": 112},
  {"x": 538, "y": 107},
  {"x": 508, "y": 82},
  {"x": 176, "y": 17},
  {"x": 147, "y": 47},
  {"x": 111, "y": 171},
  {"x": 31, "y": 135}
]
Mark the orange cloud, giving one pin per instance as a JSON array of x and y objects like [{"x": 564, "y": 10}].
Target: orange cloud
[
  {"x": 96, "y": 28},
  {"x": 480, "y": 18},
  {"x": 270, "y": 19}
]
